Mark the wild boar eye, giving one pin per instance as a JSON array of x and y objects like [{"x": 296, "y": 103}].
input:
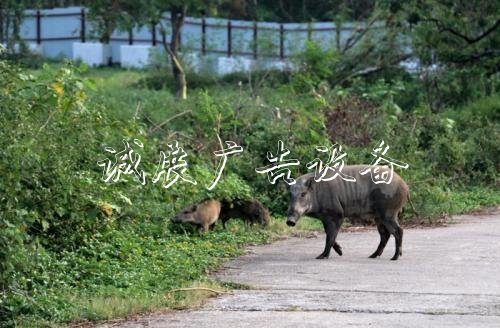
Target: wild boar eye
[{"x": 303, "y": 194}]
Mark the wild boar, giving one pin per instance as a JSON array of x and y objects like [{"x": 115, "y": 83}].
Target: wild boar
[
  {"x": 331, "y": 201},
  {"x": 251, "y": 211},
  {"x": 204, "y": 214}
]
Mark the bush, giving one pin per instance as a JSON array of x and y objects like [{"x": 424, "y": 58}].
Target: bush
[
  {"x": 316, "y": 66},
  {"x": 67, "y": 237},
  {"x": 53, "y": 139},
  {"x": 54, "y": 202},
  {"x": 162, "y": 79}
]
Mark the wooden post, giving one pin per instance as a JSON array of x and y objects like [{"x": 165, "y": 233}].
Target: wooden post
[
  {"x": 229, "y": 45},
  {"x": 82, "y": 25},
  {"x": 203, "y": 36},
  {"x": 153, "y": 34},
  {"x": 255, "y": 40},
  {"x": 131, "y": 36},
  {"x": 38, "y": 27},
  {"x": 282, "y": 42}
]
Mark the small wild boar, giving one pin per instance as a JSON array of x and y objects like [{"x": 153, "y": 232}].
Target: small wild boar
[
  {"x": 252, "y": 211},
  {"x": 204, "y": 214},
  {"x": 331, "y": 201}
]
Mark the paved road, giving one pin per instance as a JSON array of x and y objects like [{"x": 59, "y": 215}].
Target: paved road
[{"x": 447, "y": 277}]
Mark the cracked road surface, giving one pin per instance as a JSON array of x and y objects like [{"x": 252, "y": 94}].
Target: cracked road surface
[{"x": 447, "y": 277}]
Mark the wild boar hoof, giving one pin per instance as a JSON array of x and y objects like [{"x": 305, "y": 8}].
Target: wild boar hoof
[
  {"x": 374, "y": 255},
  {"x": 395, "y": 257},
  {"x": 338, "y": 249},
  {"x": 322, "y": 256}
]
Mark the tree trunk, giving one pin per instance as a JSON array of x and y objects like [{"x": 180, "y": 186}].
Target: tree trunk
[
  {"x": 2, "y": 22},
  {"x": 16, "y": 30},
  {"x": 178, "y": 14}
]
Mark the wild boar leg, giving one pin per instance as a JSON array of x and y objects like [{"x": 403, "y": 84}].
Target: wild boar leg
[
  {"x": 331, "y": 226},
  {"x": 394, "y": 229},
  {"x": 384, "y": 237},
  {"x": 399, "y": 243},
  {"x": 224, "y": 220},
  {"x": 337, "y": 248}
]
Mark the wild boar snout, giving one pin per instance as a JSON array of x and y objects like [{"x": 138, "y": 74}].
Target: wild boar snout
[
  {"x": 297, "y": 207},
  {"x": 292, "y": 214},
  {"x": 175, "y": 219}
]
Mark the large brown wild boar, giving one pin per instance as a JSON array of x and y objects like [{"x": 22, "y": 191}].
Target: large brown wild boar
[
  {"x": 251, "y": 211},
  {"x": 204, "y": 214},
  {"x": 331, "y": 201}
]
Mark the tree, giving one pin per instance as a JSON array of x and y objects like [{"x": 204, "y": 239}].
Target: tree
[
  {"x": 295, "y": 10},
  {"x": 456, "y": 42},
  {"x": 374, "y": 45},
  {"x": 105, "y": 14},
  {"x": 154, "y": 11},
  {"x": 131, "y": 16},
  {"x": 11, "y": 15},
  {"x": 458, "y": 33},
  {"x": 177, "y": 16}
]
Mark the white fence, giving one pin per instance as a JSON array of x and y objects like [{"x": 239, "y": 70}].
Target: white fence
[{"x": 214, "y": 44}]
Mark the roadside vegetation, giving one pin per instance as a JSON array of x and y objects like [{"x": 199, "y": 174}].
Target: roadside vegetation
[{"x": 75, "y": 248}]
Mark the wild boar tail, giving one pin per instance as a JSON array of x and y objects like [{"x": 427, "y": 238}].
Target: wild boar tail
[{"x": 411, "y": 204}]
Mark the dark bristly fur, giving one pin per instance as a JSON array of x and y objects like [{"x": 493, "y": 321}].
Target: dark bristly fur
[
  {"x": 331, "y": 201},
  {"x": 251, "y": 211}
]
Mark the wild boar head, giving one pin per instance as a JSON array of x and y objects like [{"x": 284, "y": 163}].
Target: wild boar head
[
  {"x": 301, "y": 200},
  {"x": 188, "y": 214}
]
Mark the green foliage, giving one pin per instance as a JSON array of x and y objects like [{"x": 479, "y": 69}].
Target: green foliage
[
  {"x": 299, "y": 11},
  {"x": 48, "y": 189},
  {"x": 71, "y": 243},
  {"x": 317, "y": 65},
  {"x": 105, "y": 15},
  {"x": 161, "y": 79},
  {"x": 135, "y": 258},
  {"x": 55, "y": 205},
  {"x": 462, "y": 35},
  {"x": 455, "y": 44}
]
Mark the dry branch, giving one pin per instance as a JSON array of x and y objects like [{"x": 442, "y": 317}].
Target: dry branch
[{"x": 170, "y": 119}]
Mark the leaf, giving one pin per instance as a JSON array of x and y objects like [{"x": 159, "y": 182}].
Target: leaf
[
  {"x": 125, "y": 198},
  {"x": 60, "y": 211},
  {"x": 23, "y": 77},
  {"x": 397, "y": 109},
  {"x": 90, "y": 84},
  {"x": 45, "y": 225},
  {"x": 83, "y": 67}
]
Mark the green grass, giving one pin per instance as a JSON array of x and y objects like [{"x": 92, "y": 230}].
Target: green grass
[
  {"x": 131, "y": 265},
  {"x": 474, "y": 198},
  {"x": 131, "y": 268}
]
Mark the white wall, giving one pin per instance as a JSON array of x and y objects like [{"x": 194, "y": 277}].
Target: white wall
[{"x": 216, "y": 39}]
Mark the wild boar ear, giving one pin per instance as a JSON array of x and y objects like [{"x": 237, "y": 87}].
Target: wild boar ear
[{"x": 309, "y": 183}]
